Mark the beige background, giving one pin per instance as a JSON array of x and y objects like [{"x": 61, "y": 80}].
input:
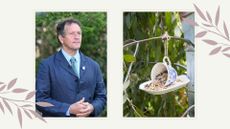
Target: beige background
[{"x": 17, "y": 53}]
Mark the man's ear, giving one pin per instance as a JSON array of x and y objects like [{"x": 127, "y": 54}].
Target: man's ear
[{"x": 60, "y": 37}]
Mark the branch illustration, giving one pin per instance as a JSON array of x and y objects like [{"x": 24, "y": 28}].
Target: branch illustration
[
  {"x": 23, "y": 106},
  {"x": 211, "y": 25}
]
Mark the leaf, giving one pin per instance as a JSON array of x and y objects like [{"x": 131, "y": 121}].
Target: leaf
[
  {"x": 30, "y": 95},
  {"x": 11, "y": 84},
  {"x": 226, "y": 31},
  {"x": 226, "y": 49},
  {"x": 1, "y": 107},
  {"x": 2, "y": 87},
  {"x": 19, "y": 90},
  {"x": 210, "y": 42},
  {"x": 27, "y": 114},
  {"x": 126, "y": 84},
  {"x": 215, "y": 51},
  {"x": 217, "y": 16},
  {"x": 190, "y": 22},
  {"x": 7, "y": 106},
  {"x": 129, "y": 58},
  {"x": 38, "y": 115},
  {"x": 200, "y": 12},
  {"x": 207, "y": 25},
  {"x": 44, "y": 104},
  {"x": 201, "y": 34},
  {"x": 27, "y": 105},
  {"x": 228, "y": 55},
  {"x": 209, "y": 17},
  {"x": 33, "y": 112},
  {"x": 19, "y": 117}
]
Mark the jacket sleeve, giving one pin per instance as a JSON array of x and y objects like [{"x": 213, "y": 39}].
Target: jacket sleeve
[
  {"x": 43, "y": 87},
  {"x": 100, "y": 98}
]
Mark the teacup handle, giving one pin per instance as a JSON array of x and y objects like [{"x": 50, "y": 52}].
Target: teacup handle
[{"x": 166, "y": 60}]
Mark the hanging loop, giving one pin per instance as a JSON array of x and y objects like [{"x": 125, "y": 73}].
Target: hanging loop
[
  {"x": 165, "y": 48},
  {"x": 165, "y": 38},
  {"x": 166, "y": 60}
]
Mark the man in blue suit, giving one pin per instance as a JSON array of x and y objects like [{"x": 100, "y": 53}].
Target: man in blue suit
[{"x": 69, "y": 80}]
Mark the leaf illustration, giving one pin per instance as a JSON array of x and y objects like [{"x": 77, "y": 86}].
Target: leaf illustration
[
  {"x": 2, "y": 87},
  {"x": 11, "y": 84},
  {"x": 190, "y": 22},
  {"x": 207, "y": 25},
  {"x": 209, "y": 17},
  {"x": 210, "y": 42},
  {"x": 30, "y": 95},
  {"x": 27, "y": 105},
  {"x": 41, "y": 118},
  {"x": 215, "y": 51},
  {"x": 19, "y": 90},
  {"x": 27, "y": 114},
  {"x": 19, "y": 117},
  {"x": 33, "y": 112},
  {"x": 217, "y": 16},
  {"x": 200, "y": 12},
  {"x": 201, "y": 34},
  {"x": 38, "y": 115},
  {"x": 7, "y": 106},
  {"x": 1, "y": 107},
  {"x": 226, "y": 49},
  {"x": 226, "y": 31},
  {"x": 228, "y": 55},
  {"x": 44, "y": 104}
]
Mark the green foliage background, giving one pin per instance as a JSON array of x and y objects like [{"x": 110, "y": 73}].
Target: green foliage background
[
  {"x": 142, "y": 25},
  {"x": 93, "y": 42}
]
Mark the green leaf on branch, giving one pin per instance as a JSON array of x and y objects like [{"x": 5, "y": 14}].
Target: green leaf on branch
[{"x": 129, "y": 58}]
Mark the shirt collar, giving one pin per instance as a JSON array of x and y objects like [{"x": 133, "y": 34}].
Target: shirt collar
[{"x": 68, "y": 57}]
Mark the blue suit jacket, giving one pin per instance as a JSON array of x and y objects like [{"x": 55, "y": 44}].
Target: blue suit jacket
[{"x": 57, "y": 84}]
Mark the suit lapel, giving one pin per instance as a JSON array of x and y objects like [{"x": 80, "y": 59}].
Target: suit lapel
[
  {"x": 83, "y": 65},
  {"x": 64, "y": 63}
]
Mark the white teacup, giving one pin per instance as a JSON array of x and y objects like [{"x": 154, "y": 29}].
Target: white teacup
[{"x": 161, "y": 67}]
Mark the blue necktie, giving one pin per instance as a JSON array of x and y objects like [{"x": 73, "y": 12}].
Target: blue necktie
[{"x": 73, "y": 62}]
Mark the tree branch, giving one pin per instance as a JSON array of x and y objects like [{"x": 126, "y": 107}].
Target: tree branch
[
  {"x": 15, "y": 100},
  {"x": 160, "y": 37},
  {"x": 186, "y": 112}
]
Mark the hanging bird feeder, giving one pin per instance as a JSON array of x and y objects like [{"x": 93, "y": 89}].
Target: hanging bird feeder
[
  {"x": 163, "y": 76},
  {"x": 162, "y": 83}
]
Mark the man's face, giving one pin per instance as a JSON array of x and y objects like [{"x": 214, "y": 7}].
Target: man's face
[{"x": 72, "y": 37}]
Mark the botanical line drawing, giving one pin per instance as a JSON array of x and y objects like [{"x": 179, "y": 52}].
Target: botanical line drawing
[
  {"x": 23, "y": 106},
  {"x": 212, "y": 26}
]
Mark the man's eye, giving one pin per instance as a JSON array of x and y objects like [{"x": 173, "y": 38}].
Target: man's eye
[{"x": 75, "y": 33}]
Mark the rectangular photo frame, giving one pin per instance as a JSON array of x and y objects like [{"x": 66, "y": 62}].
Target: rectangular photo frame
[
  {"x": 158, "y": 66},
  {"x": 71, "y": 64}
]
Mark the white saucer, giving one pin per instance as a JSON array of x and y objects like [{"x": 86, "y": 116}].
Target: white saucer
[{"x": 180, "y": 82}]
